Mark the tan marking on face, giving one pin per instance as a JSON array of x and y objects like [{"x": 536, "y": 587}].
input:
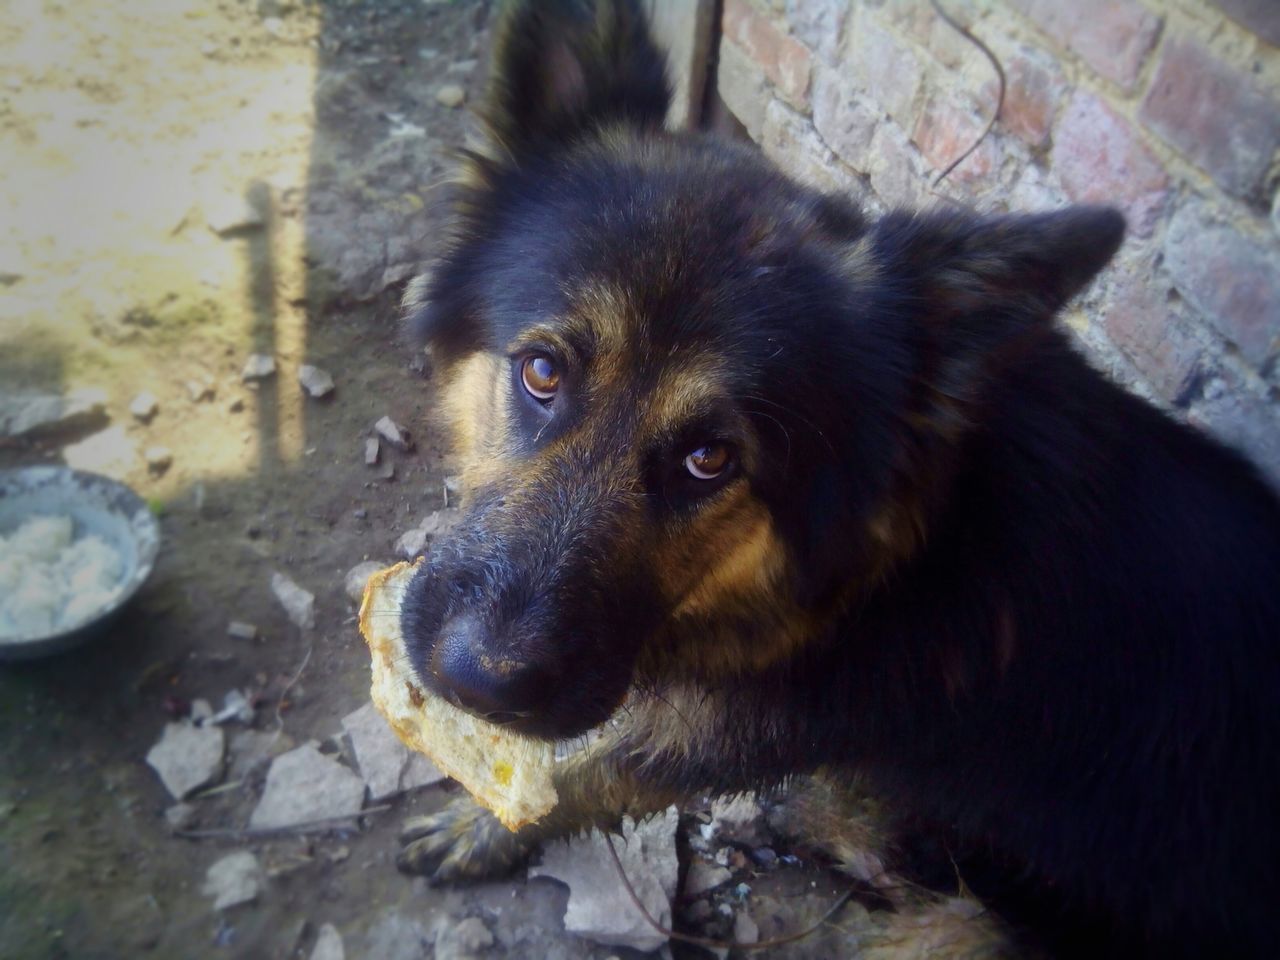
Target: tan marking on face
[{"x": 476, "y": 398}]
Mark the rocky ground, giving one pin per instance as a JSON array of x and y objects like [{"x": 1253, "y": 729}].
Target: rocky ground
[{"x": 207, "y": 211}]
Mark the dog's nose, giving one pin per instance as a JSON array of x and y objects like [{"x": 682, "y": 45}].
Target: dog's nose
[{"x": 481, "y": 683}]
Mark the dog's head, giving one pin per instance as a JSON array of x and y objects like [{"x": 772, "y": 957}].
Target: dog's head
[{"x": 700, "y": 407}]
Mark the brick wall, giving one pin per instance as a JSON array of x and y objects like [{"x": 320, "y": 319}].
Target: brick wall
[{"x": 1169, "y": 109}]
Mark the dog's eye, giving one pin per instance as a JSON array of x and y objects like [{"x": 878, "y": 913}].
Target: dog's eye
[
  {"x": 708, "y": 462},
  {"x": 540, "y": 377}
]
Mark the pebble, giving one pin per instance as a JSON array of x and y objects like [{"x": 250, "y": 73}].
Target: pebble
[
  {"x": 258, "y": 366},
  {"x": 144, "y": 406},
  {"x": 451, "y": 95},
  {"x": 372, "y": 451},
  {"x": 187, "y": 757},
  {"x": 159, "y": 459},
  {"x": 328, "y": 944},
  {"x": 236, "y": 878},
  {"x": 298, "y": 603},
  {"x": 600, "y": 908},
  {"x": 703, "y": 876},
  {"x": 318, "y": 383},
  {"x": 201, "y": 390},
  {"x": 354, "y": 582},
  {"x": 437, "y": 523},
  {"x": 230, "y": 212},
  {"x": 239, "y": 630},
  {"x": 745, "y": 930},
  {"x": 179, "y": 816},
  {"x": 392, "y": 432},
  {"x": 304, "y": 785}
]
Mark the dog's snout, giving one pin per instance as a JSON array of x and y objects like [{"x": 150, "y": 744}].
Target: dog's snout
[{"x": 491, "y": 687}]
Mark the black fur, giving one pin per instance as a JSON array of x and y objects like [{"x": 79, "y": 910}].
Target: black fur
[{"x": 1065, "y": 652}]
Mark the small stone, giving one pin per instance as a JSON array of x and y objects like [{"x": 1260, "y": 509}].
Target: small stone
[
  {"x": 704, "y": 876},
  {"x": 231, "y": 213},
  {"x": 745, "y": 929},
  {"x": 159, "y": 459},
  {"x": 383, "y": 760},
  {"x": 239, "y": 630},
  {"x": 392, "y": 432},
  {"x": 144, "y": 406},
  {"x": 451, "y": 95},
  {"x": 298, "y": 603},
  {"x": 765, "y": 856},
  {"x": 360, "y": 513},
  {"x": 600, "y": 908},
  {"x": 372, "y": 451},
  {"x": 201, "y": 710},
  {"x": 456, "y": 941},
  {"x": 236, "y": 878},
  {"x": 303, "y": 785},
  {"x": 201, "y": 390},
  {"x": 437, "y": 523},
  {"x": 739, "y": 819},
  {"x": 258, "y": 366},
  {"x": 110, "y": 452},
  {"x": 354, "y": 582},
  {"x": 273, "y": 26},
  {"x": 328, "y": 944},
  {"x": 318, "y": 383},
  {"x": 235, "y": 405},
  {"x": 187, "y": 757},
  {"x": 179, "y": 816}
]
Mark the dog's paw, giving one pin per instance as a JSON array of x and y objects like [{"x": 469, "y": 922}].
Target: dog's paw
[{"x": 461, "y": 842}]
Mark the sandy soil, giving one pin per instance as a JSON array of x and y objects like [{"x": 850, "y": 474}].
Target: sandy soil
[{"x": 312, "y": 135}]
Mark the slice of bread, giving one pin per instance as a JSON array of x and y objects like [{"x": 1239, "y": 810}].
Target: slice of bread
[{"x": 509, "y": 773}]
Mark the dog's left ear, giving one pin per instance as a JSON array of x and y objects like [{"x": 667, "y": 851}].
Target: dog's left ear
[{"x": 564, "y": 67}]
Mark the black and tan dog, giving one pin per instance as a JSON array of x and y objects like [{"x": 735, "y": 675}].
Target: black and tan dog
[{"x": 815, "y": 493}]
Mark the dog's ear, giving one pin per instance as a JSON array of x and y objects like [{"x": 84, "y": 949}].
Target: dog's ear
[
  {"x": 980, "y": 284},
  {"x": 563, "y": 67}
]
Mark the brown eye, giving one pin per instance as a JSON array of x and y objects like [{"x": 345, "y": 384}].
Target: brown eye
[
  {"x": 707, "y": 463},
  {"x": 540, "y": 377}
]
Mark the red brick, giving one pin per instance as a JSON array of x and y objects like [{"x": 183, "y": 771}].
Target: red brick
[
  {"x": 1032, "y": 93},
  {"x": 917, "y": 19},
  {"x": 1099, "y": 158},
  {"x": 1230, "y": 279},
  {"x": 886, "y": 69},
  {"x": 819, "y": 24},
  {"x": 1112, "y": 36},
  {"x": 945, "y": 130},
  {"x": 1214, "y": 114},
  {"x": 1140, "y": 321},
  {"x": 784, "y": 60},
  {"x": 1260, "y": 16}
]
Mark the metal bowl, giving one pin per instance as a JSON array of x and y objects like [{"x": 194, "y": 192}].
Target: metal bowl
[{"x": 96, "y": 505}]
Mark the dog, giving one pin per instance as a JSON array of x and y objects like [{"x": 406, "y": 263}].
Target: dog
[{"x": 804, "y": 493}]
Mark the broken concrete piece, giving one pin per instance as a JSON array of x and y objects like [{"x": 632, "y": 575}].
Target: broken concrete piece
[
  {"x": 354, "y": 582},
  {"x": 187, "y": 757},
  {"x": 251, "y": 749},
  {"x": 318, "y": 383},
  {"x": 599, "y": 905},
  {"x": 451, "y": 95},
  {"x": 34, "y": 413},
  {"x": 110, "y": 452},
  {"x": 236, "y": 878},
  {"x": 386, "y": 764},
  {"x": 238, "y": 630},
  {"x": 159, "y": 459},
  {"x": 298, "y": 603},
  {"x": 328, "y": 944},
  {"x": 392, "y": 432},
  {"x": 703, "y": 876},
  {"x": 258, "y": 366},
  {"x": 304, "y": 785},
  {"x": 372, "y": 451},
  {"x": 144, "y": 406}
]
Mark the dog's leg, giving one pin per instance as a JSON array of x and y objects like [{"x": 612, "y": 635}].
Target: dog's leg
[{"x": 596, "y": 788}]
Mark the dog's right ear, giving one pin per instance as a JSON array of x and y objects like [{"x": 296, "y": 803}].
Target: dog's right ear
[{"x": 564, "y": 67}]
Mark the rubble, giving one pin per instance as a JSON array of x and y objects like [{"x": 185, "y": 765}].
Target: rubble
[
  {"x": 600, "y": 908},
  {"x": 354, "y": 582},
  {"x": 462, "y": 940},
  {"x": 413, "y": 542},
  {"x": 298, "y": 603},
  {"x": 392, "y": 432},
  {"x": 703, "y": 876},
  {"x": 318, "y": 383},
  {"x": 238, "y": 630},
  {"x": 386, "y": 764},
  {"x": 745, "y": 930},
  {"x": 451, "y": 95},
  {"x": 328, "y": 944},
  {"x": 179, "y": 816},
  {"x": 159, "y": 459},
  {"x": 231, "y": 212},
  {"x": 251, "y": 749},
  {"x": 258, "y": 366},
  {"x": 21, "y": 414},
  {"x": 110, "y": 452},
  {"x": 201, "y": 390},
  {"x": 144, "y": 406},
  {"x": 304, "y": 785},
  {"x": 372, "y": 451},
  {"x": 236, "y": 878},
  {"x": 187, "y": 757}
]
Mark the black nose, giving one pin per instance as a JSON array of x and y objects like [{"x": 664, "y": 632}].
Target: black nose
[{"x": 489, "y": 686}]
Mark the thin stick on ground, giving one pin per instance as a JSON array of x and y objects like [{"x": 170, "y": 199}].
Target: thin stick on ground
[{"x": 995, "y": 62}]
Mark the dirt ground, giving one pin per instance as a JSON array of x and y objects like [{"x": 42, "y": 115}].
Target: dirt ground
[{"x": 312, "y": 138}]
